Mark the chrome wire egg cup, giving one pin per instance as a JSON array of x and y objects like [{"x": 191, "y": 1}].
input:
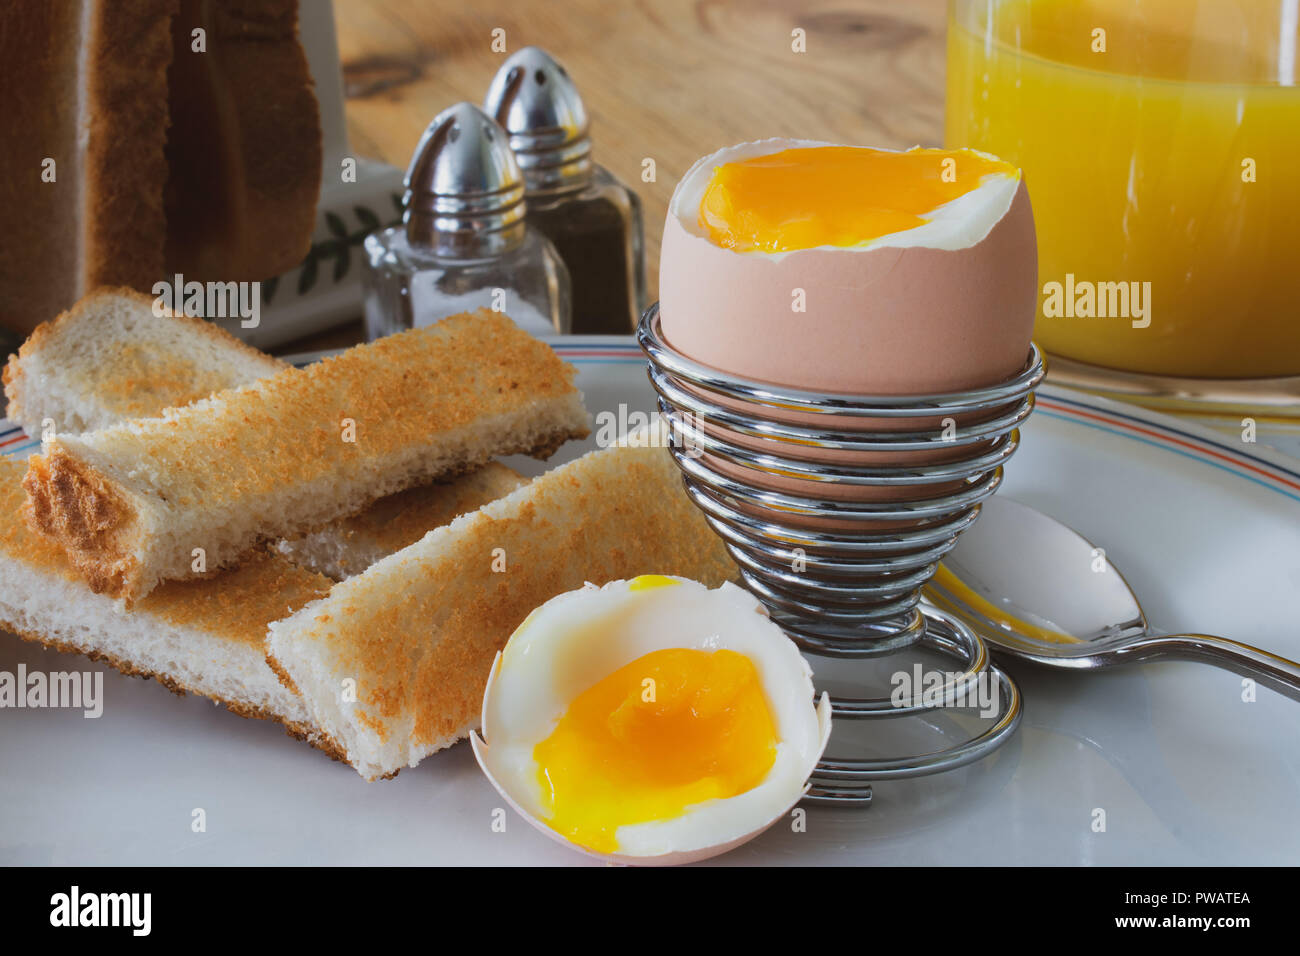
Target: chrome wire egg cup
[{"x": 851, "y": 591}]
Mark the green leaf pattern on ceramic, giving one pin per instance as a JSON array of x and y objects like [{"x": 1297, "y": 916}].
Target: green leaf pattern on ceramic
[{"x": 337, "y": 249}]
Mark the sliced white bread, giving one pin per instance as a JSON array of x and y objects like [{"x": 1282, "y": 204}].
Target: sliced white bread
[
  {"x": 164, "y": 498},
  {"x": 348, "y": 546},
  {"x": 204, "y": 637},
  {"x": 110, "y": 358},
  {"x": 392, "y": 664}
]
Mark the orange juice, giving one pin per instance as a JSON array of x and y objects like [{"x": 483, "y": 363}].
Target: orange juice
[{"x": 1159, "y": 140}]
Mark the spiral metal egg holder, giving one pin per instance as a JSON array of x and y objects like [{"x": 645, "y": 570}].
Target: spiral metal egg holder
[{"x": 849, "y": 594}]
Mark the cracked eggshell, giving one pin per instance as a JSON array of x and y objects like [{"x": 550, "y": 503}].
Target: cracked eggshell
[
  {"x": 796, "y": 675},
  {"x": 890, "y": 317}
]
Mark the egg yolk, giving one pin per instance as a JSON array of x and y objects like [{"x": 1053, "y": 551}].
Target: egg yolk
[
  {"x": 672, "y": 729},
  {"x": 648, "y": 582},
  {"x": 834, "y": 195}
]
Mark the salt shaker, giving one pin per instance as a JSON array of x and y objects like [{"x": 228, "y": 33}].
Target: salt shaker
[
  {"x": 464, "y": 242},
  {"x": 593, "y": 219}
]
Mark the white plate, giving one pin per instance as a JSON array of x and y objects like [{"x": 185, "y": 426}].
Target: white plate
[{"x": 1206, "y": 530}]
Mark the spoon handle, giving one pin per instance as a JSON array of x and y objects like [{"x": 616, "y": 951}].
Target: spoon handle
[{"x": 1272, "y": 671}]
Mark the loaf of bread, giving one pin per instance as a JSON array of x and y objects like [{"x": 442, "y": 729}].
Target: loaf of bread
[
  {"x": 195, "y": 489},
  {"x": 83, "y": 135},
  {"x": 133, "y": 148},
  {"x": 203, "y": 637},
  {"x": 417, "y": 632},
  {"x": 244, "y": 150}
]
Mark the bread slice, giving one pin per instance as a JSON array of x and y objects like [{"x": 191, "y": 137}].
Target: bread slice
[
  {"x": 85, "y": 86},
  {"x": 165, "y": 498},
  {"x": 205, "y": 637},
  {"x": 244, "y": 154},
  {"x": 348, "y": 546},
  {"x": 110, "y": 358},
  {"x": 415, "y": 635}
]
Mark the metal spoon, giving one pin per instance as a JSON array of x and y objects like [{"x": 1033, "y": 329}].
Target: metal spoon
[{"x": 1038, "y": 591}]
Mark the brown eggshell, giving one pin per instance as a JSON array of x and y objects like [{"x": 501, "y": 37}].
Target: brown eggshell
[{"x": 888, "y": 321}]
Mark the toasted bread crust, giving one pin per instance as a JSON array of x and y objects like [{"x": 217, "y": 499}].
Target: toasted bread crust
[{"x": 86, "y": 515}]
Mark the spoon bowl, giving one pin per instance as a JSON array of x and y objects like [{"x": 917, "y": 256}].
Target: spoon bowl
[{"x": 1036, "y": 590}]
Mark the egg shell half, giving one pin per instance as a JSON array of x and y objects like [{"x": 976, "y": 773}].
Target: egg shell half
[
  {"x": 889, "y": 320},
  {"x": 482, "y": 755},
  {"x": 520, "y": 803}
]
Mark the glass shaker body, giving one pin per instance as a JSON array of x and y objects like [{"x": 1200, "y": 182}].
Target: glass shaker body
[
  {"x": 597, "y": 229},
  {"x": 406, "y": 285}
]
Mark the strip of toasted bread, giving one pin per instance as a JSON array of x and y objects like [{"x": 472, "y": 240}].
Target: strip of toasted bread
[
  {"x": 166, "y": 498},
  {"x": 111, "y": 357},
  {"x": 415, "y": 635},
  {"x": 205, "y": 637}
]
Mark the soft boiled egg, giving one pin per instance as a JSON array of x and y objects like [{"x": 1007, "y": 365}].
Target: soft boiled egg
[
  {"x": 651, "y": 721},
  {"x": 850, "y": 269}
]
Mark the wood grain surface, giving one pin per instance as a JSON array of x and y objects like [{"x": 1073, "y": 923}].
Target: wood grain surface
[{"x": 668, "y": 80}]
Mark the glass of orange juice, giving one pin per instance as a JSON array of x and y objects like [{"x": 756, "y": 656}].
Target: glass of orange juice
[{"x": 1160, "y": 141}]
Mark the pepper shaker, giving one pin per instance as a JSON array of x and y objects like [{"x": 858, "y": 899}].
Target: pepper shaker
[
  {"x": 464, "y": 242},
  {"x": 593, "y": 219}
]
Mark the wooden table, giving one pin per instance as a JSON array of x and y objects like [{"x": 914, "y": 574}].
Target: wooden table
[{"x": 667, "y": 80}]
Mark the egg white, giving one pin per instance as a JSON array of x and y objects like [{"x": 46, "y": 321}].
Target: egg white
[
  {"x": 958, "y": 224},
  {"x": 579, "y": 638}
]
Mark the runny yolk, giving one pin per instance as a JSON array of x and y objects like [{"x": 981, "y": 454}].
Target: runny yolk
[
  {"x": 834, "y": 195},
  {"x": 671, "y": 729}
]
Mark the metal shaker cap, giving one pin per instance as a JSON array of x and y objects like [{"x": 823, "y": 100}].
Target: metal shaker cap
[
  {"x": 463, "y": 178},
  {"x": 535, "y": 101}
]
